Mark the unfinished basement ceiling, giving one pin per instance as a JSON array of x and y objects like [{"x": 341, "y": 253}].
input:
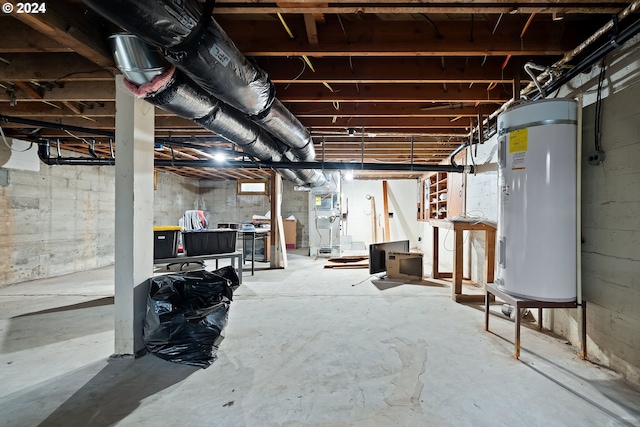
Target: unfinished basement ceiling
[{"x": 374, "y": 82}]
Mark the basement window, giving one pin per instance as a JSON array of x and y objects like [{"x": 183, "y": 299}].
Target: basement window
[{"x": 249, "y": 187}]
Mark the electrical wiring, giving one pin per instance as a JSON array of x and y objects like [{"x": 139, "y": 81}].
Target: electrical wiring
[
  {"x": 478, "y": 220},
  {"x": 4, "y": 139},
  {"x": 364, "y": 280},
  {"x": 304, "y": 67},
  {"x": 598, "y": 120}
]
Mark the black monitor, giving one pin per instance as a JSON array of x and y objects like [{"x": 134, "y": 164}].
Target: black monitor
[{"x": 378, "y": 254}]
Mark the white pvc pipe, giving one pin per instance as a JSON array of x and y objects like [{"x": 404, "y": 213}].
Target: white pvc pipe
[{"x": 578, "y": 204}]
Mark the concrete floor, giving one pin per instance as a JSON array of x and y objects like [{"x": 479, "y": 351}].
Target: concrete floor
[{"x": 304, "y": 346}]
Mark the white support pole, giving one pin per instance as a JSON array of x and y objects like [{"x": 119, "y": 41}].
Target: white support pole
[{"x": 134, "y": 217}]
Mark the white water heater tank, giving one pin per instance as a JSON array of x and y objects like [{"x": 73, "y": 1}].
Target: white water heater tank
[{"x": 537, "y": 217}]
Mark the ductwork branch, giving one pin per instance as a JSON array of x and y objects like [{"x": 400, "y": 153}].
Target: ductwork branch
[{"x": 194, "y": 42}]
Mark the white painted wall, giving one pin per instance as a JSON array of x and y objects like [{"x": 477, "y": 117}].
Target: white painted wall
[
  {"x": 402, "y": 201},
  {"x": 482, "y": 202}
]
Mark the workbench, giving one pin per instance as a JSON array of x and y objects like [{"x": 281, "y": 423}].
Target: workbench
[
  {"x": 234, "y": 257},
  {"x": 521, "y": 303},
  {"x": 458, "y": 227}
]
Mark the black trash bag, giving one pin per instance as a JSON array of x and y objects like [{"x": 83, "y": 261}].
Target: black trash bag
[{"x": 187, "y": 313}]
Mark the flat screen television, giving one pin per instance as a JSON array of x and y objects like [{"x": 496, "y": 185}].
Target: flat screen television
[{"x": 378, "y": 254}]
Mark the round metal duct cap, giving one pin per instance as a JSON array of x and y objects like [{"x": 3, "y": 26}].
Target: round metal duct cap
[{"x": 138, "y": 61}]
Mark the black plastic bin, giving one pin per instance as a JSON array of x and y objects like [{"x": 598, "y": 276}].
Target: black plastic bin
[
  {"x": 165, "y": 241},
  {"x": 205, "y": 242}
]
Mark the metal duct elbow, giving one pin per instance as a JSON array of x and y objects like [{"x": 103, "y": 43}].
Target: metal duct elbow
[{"x": 137, "y": 60}]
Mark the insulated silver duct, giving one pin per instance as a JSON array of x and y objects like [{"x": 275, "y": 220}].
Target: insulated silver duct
[
  {"x": 199, "y": 47},
  {"x": 172, "y": 91}
]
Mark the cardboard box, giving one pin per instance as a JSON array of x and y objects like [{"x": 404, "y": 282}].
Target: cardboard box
[{"x": 290, "y": 233}]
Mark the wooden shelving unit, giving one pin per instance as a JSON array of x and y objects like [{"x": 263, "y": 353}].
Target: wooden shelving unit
[{"x": 437, "y": 195}]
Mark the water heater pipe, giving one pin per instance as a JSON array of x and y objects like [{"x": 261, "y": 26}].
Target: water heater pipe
[{"x": 578, "y": 205}]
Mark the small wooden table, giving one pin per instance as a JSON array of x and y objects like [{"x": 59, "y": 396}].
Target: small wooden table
[
  {"x": 489, "y": 260},
  {"x": 522, "y": 303}
]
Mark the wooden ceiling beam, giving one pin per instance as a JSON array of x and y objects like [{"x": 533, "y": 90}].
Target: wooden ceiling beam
[
  {"x": 312, "y": 30},
  {"x": 52, "y": 67},
  {"x": 69, "y": 27},
  {"x": 443, "y": 134},
  {"x": 77, "y": 109},
  {"x": 391, "y": 70},
  {"x": 73, "y": 91},
  {"x": 405, "y": 7},
  {"x": 386, "y": 122},
  {"x": 406, "y": 38},
  {"x": 167, "y": 122},
  {"x": 17, "y": 132},
  {"x": 46, "y": 112},
  {"x": 395, "y": 109},
  {"x": 344, "y": 139},
  {"x": 29, "y": 90},
  {"x": 390, "y": 93},
  {"x": 18, "y": 37}
]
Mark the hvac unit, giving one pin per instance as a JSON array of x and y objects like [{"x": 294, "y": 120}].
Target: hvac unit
[{"x": 537, "y": 216}]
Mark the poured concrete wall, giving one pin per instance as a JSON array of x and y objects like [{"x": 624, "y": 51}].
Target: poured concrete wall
[
  {"x": 173, "y": 196},
  {"x": 610, "y": 220},
  {"x": 61, "y": 219},
  {"x": 223, "y": 204},
  {"x": 56, "y": 221}
]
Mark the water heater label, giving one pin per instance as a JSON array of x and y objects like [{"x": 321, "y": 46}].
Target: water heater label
[
  {"x": 518, "y": 140},
  {"x": 518, "y": 146}
]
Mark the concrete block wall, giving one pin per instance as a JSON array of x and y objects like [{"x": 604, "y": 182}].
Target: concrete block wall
[
  {"x": 55, "y": 221},
  {"x": 610, "y": 223},
  {"x": 611, "y": 234}
]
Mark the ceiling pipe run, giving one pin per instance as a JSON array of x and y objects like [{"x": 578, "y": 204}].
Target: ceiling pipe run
[
  {"x": 174, "y": 142},
  {"x": 194, "y": 42},
  {"x": 44, "y": 153},
  {"x": 312, "y": 165}
]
